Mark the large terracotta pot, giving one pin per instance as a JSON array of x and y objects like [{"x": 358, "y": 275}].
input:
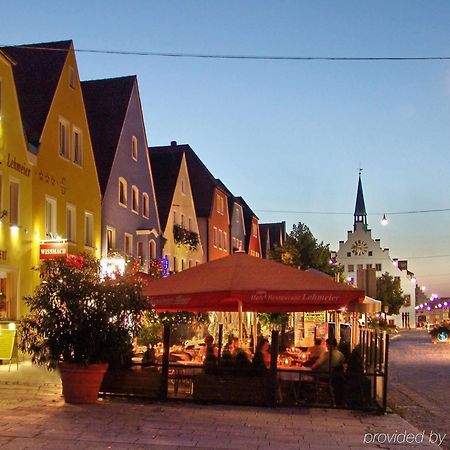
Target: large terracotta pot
[{"x": 81, "y": 383}]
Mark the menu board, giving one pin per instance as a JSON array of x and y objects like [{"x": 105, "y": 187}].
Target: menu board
[{"x": 8, "y": 347}]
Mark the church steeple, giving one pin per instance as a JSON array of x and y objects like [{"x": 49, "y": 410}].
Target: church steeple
[{"x": 360, "y": 215}]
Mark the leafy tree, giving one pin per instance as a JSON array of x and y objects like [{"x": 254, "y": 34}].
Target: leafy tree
[
  {"x": 301, "y": 249},
  {"x": 390, "y": 293}
]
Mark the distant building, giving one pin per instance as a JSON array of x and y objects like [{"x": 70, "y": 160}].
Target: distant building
[
  {"x": 360, "y": 251},
  {"x": 272, "y": 235}
]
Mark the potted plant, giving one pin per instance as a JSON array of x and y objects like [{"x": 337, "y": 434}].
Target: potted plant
[{"x": 80, "y": 324}]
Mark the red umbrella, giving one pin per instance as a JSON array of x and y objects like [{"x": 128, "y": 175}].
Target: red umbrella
[{"x": 253, "y": 284}]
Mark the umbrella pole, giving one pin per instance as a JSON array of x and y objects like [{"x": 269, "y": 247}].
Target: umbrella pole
[
  {"x": 240, "y": 318},
  {"x": 255, "y": 331}
]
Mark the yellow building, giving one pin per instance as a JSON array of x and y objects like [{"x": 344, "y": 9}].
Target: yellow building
[
  {"x": 182, "y": 247},
  {"x": 15, "y": 200},
  {"x": 66, "y": 199}
]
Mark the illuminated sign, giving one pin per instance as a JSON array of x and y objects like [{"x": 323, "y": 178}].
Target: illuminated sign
[
  {"x": 318, "y": 316},
  {"x": 52, "y": 250}
]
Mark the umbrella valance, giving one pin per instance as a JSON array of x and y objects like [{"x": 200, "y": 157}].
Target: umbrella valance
[{"x": 253, "y": 284}]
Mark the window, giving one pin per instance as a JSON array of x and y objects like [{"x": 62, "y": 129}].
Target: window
[
  {"x": 135, "y": 199},
  {"x": 13, "y": 203},
  {"x": 64, "y": 138},
  {"x": 220, "y": 239},
  {"x": 182, "y": 186},
  {"x": 368, "y": 266},
  {"x": 134, "y": 148},
  {"x": 190, "y": 224},
  {"x": 122, "y": 192},
  {"x": 88, "y": 229},
  {"x": 360, "y": 266},
  {"x": 71, "y": 223},
  {"x": 370, "y": 253},
  {"x": 349, "y": 254},
  {"x": 174, "y": 217},
  {"x": 351, "y": 268},
  {"x": 175, "y": 268},
  {"x": 255, "y": 229},
  {"x": 128, "y": 247},
  {"x": 219, "y": 200},
  {"x": 182, "y": 264},
  {"x": 152, "y": 249},
  {"x": 110, "y": 239},
  {"x": 140, "y": 251},
  {"x": 224, "y": 240},
  {"x": 50, "y": 217},
  {"x": 182, "y": 220},
  {"x": 378, "y": 267},
  {"x": 236, "y": 212},
  {"x": 145, "y": 205},
  {"x": 215, "y": 237},
  {"x": 71, "y": 77},
  {"x": 77, "y": 145}
]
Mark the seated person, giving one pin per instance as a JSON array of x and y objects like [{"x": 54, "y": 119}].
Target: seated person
[
  {"x": 262, "y": 357},
  {"x": 337, "y": 358},
  {"x": 315, "y": 352},
  {"x": 209, "y": 347},
  {"x": 149, "y": 356}
]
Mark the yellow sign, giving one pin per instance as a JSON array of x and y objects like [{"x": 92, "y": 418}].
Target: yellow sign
[
  {"x": 318, "y": 316},
  {"x": 7, "y": 344}
]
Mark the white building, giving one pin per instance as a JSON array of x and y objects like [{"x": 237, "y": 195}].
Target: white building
[{"x": 361, "y": 251}]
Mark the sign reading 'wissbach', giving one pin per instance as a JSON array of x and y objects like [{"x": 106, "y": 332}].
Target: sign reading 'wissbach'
[{"x": 52, "y": 250}]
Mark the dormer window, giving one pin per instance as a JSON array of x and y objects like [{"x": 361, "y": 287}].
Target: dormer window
[{"x": 134, "y": 148}]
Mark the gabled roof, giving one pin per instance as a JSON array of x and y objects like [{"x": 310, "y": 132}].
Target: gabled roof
[
  {"x": 231, "y": 197},
  {"x": 202, "y": 181},
  {"x": 275, "y": 232},
  {"x": 36, "y": 74},
  {"x": 165, "y": 165},
  {"x": 248, "y": 217},
  {"x": 106, "y": 102}
]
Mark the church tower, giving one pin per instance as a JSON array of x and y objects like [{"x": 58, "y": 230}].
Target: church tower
[{"x": 360, "y": 215}]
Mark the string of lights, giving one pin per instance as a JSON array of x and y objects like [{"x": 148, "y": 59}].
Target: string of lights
[{"x": 241, "y": 57}]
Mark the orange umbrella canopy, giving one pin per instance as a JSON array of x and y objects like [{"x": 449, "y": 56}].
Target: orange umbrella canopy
[{"x": 257, "y": 284}]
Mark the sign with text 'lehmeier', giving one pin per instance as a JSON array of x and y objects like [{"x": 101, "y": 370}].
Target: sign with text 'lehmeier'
[{"x": 52, "y": 250}]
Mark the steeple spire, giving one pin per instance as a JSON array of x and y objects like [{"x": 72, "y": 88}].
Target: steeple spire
[{"x": 360, "y": 215}]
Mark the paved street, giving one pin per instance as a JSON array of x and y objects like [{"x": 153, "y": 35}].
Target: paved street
[
  {"x": 33, "y": 415},
  {"x": 420, "y": 381}
]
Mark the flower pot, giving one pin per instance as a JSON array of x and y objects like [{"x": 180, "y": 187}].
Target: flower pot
[{"x": 80, "y": 384}]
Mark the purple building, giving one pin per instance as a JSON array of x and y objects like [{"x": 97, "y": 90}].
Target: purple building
[{"x": 130, "y": 223}]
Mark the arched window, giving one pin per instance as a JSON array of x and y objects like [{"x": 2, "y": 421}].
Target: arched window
[
  {"x": 145, "y": 205},
  {"x": 134, "y": 148},
  {"x": 134, "y": 199},
  {"x": 122, "y": 192}
]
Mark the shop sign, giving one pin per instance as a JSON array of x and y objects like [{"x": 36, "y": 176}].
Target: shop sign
[
  {"x": 52, "y": 250},
  {"x": 21, "y": 168},
  {"x": 318, "y": 316}
]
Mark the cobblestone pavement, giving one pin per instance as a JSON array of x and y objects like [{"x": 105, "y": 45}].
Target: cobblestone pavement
[
  {"x": 419, "y": 381},
  {"x": 34, "y": 416}
]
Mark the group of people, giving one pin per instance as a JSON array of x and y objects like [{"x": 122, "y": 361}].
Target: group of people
[{"x": 320, "y": 359}]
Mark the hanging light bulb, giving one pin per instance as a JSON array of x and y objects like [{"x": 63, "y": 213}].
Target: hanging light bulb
[{"x": 384, "y": 221}]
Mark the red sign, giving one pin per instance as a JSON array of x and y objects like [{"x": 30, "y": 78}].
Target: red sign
[{"x": 52, "y": 250}]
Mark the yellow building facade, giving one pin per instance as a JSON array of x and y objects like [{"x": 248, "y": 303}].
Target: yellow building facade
[
  {"x": 15, "y": 200},
  {"x": 59, "y": 199},
  {"x": 66, "y": 192}
]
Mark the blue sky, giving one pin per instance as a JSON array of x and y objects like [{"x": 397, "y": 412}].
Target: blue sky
[{"x": 288, "y": 135}]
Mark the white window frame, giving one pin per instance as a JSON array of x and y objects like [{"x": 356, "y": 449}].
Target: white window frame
[
  {"x": 50, "y": 228},
  {"x": 145, "y": 205},
  {"x": 134, "y": 148},
  {"x": 152, "y": 249},
  {"x": 63, "y": 122},
  {"x": 77, "y": 160},
  {"x": 123, "y": 182},
  {"x": 14, "y": 207},
  {"x": 134, "y": 199},
  {"x": 215, "y": 237},
  {"x": 71, "y": 223},
  {"x": 71, "y": 77},
  {"x": 88, "y": 229},
  {"x": 128, "y": 242},
  {"x": 112, "y": 230}
]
